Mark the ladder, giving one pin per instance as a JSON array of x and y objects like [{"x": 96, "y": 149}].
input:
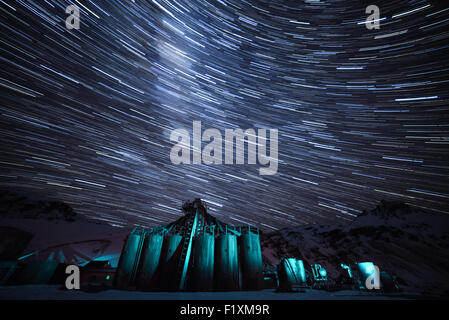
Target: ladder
[{"x": 186, "y": 249}]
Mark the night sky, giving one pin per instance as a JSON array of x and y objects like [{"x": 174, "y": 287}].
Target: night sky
[{"x": 363, "y": 115}]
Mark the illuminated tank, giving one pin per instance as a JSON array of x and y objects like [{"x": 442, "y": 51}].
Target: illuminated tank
[
  {"x": 195, "y": 253},
  {"x": 292, "y": 274},
  {"x": 227, "y": 263}
]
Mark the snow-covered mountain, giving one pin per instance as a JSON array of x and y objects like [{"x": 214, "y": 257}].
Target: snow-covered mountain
[
  {"x": 408, "y": 242},
  {"x": 14, "y": 205},
  {"x": 42, "y": 230}
]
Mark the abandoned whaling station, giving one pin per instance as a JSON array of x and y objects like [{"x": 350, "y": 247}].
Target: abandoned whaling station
[{"x": 197, "y": 252}]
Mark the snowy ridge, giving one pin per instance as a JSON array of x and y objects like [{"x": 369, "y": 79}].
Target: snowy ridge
[{"x": 59, "y": 233}]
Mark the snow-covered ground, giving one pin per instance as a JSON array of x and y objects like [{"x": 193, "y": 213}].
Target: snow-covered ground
[{"x": 46, "y": 292}]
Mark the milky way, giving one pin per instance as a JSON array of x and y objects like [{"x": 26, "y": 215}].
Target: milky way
[{"x": 362, "y": 114}]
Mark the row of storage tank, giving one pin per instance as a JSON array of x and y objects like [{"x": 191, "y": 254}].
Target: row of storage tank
[
  {"x": 150, "y": 262},
  {"x": 292, "y": 273}
]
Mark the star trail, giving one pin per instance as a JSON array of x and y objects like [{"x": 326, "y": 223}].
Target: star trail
[{"x": 363, "y": 115}]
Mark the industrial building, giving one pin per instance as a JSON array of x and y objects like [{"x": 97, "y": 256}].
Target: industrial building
[{"x": 195, "y": 253}]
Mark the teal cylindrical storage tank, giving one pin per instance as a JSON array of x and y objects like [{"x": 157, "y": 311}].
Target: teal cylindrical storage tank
[
  {"x": 169, "y": 262},
  {"x": 226, "y": 263},
  {"x": 202, "y": 268},
  {"x": 251, "y": 261},
  {"x": 149, "y": 262},
  {"x": 297, "y": 272},
  {"x": 129, "y": 259}
]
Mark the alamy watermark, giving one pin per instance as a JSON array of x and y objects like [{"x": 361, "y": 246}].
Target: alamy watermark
[
  {"x": 212, "y": 153},
  {"x": 73, "y": 20},
  {"x": 72, "y": 282},
  {"x": 373, "y": 280}
]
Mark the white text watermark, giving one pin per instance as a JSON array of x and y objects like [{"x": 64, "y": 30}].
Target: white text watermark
[{"x": 212, "y": 153}]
